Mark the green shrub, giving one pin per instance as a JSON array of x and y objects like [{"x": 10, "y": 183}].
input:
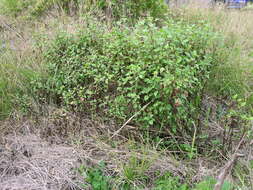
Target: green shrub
[
  {"x": 95, "y": 177},
  {"x": 117, "y": 73}
]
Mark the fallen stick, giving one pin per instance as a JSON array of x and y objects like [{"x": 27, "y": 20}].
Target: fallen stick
[
  {"x": 117, "y": 132},
  {"x": 227, "y": 168}
]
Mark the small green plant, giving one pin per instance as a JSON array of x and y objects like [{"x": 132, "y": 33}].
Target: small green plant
[
  {"x": 135, "y": 169},
  {"x": 95, "y": 177},
  {"x": 168, "y": 182},
  {"x": 208, "y": 184}
]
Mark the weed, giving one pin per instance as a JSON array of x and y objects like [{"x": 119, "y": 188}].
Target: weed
[
  {"x": 95, "y": 177},
  {"x": 135, "y": 170},
  {"x": 208, "y": 184},
  {"x": 168, "y": 182},
  {"x": 16, "y": 73}
]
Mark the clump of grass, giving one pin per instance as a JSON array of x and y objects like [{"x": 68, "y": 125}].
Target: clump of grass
[
  {"x": 17, "y": 69},
  {"x": 9, "y": 83},
  {"x": 12, "y": 82}
]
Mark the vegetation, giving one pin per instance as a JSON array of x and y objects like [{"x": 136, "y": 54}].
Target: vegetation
[
  {"x": 169, "y": 82},
  {"x": 99, "y": 181},
  {"x": 121, "y": 72}
]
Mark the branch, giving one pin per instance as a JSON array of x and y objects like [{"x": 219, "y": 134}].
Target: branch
[
  {"x": 227, "y": 168},
  {"x": 117, "y": 132}
]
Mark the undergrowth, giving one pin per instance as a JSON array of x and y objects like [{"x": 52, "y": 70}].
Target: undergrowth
[
  {"x": 96, "y": 178},
  {"x": 112, "y": 9},
  {"x": 15, "y": 75}
]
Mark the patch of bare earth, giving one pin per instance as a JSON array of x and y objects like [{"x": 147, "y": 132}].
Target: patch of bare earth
[{"x": 28, "y": 162}]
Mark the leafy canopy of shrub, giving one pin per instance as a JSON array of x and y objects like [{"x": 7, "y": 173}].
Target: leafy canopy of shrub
[{"x": 117, "y": 73}]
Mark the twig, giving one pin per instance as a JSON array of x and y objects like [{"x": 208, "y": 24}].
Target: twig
[
  {"x": 227, "y": 168},
  {"x": 143, "y": 108},
  {"x": 193, "y": 140}
]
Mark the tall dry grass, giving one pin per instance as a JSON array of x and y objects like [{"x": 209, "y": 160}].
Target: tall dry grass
[
  {"x": 234, "y": 74},
  {"x": 19, "y": 62}
]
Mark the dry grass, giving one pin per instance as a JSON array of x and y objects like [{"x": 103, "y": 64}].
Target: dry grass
[
  {"x": 234, "y": 74},
  {"x": 28, "y": 162},
  {"x": 21, "y": 58},
  {"x": 44, "y": 154}
]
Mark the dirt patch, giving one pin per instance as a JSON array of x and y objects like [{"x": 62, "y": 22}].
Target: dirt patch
[{"x": 28, "y": 162}]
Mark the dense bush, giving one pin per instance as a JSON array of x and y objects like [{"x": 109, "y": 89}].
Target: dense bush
[{"x": 117, "y": 73}]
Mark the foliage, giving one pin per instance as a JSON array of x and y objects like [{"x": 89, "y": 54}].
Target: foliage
[
  {"x": 234, "y": 73},
  {"x": 131, "y": 8},
  {"x": 42, "y": 6},
  {"x": 209, "y": 183},
  {"x": 118, "y": 73},
  {"x": 135, "y": 170},
  {"x": 95, "y": 177},
  {"x": 112, "y": 9},
  {"x": 168, "y": 182},
  {"x": 14, "y": 76}
]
